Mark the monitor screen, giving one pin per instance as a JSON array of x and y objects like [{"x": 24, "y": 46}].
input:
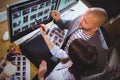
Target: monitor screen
[
  {"x": 24, "y": 17},
  {"x": 66, "y": 4}
]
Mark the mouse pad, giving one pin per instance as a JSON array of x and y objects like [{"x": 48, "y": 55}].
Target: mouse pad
[{"x": 35, "y": 49}]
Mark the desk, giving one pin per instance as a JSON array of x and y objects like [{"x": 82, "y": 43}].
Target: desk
[{"x": 4, "y": 45}]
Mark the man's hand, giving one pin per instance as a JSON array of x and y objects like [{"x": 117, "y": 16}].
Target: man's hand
[
  {"x": 56, "y": 15},
  {"x": 42, "y": 70}
]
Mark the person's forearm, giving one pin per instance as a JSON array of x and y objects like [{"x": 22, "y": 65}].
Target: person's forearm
[
  {"x": 48, "y": 42},
  {"x": 62, "y": 24},
  {"x": 59, "y": 53}
]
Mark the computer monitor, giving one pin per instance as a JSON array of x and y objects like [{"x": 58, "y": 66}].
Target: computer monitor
[{"x": 23, "y": 16}]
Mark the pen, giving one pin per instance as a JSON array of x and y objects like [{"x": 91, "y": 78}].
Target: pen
[
  {"x": 38, "y": 23},
  {"x": 42, "y": 27}
]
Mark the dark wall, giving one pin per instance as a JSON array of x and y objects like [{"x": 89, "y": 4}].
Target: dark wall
[{"x": 111, "y": 6}]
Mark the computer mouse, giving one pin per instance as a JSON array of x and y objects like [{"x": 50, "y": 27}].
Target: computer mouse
[{"x": 6, "y": 36}]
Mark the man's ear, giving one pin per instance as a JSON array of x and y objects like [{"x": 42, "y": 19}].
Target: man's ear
[{"x": 96, "y": 28}]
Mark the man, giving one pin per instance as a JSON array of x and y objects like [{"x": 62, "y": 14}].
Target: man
[{"x": 86, "y": 27}]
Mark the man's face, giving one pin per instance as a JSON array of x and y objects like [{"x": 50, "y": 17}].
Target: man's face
[{"x": 87, "y": 22}]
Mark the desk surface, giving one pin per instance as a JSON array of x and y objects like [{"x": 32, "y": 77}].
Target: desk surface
[{"x": 4, "y": 45}]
